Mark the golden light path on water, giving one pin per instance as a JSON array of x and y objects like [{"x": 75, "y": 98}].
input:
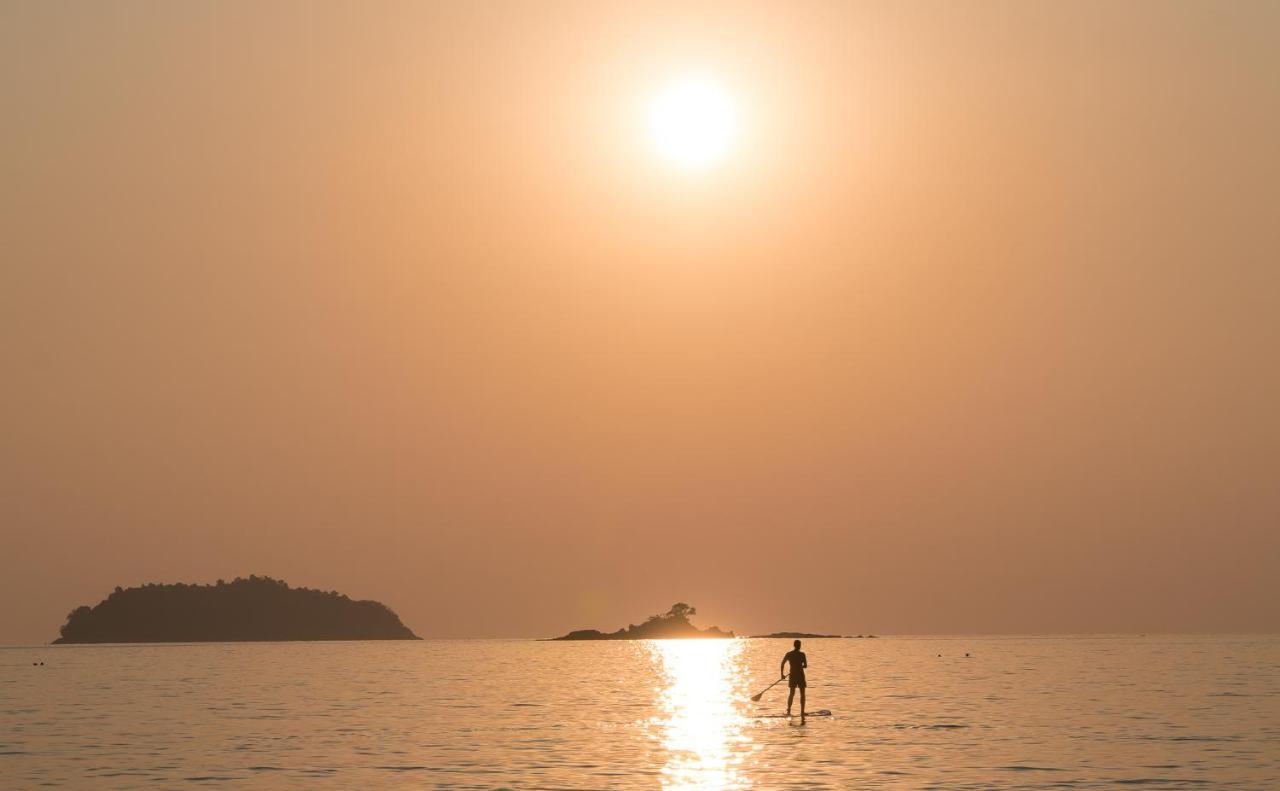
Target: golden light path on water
[{"x": 701, "y": 727}]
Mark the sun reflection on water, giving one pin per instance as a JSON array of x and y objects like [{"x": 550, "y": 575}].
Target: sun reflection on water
[{"x": 701, "y": 726}]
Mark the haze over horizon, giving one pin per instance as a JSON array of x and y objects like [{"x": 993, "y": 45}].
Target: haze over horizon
[{"x": 971, "y": 324}]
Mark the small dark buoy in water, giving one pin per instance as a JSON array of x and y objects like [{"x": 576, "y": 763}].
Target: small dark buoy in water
[{"x": 966, "y": 653}]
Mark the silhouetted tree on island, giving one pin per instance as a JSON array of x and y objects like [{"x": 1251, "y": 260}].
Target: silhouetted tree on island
[
  {"x": 253, "y": 609},
  {"x": 673, "y": 623},
  {"x": 678, "y": 610}
]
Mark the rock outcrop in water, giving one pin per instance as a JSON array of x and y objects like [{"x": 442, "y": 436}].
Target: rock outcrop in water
[
  {"x": 253, "y": 609},
  {"x": 797, "y": 635},
  {"x": 674, "y": 623}
]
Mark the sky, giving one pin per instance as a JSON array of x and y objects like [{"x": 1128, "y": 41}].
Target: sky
[{"x": 973, "y": 327}]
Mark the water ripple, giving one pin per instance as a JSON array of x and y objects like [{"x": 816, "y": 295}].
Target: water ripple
[{"x": 1056, "y": 713}]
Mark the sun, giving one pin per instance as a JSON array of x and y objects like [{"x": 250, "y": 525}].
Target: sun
[{"x": 693, "y": 122}]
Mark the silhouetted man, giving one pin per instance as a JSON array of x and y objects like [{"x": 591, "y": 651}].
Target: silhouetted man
[{"x": 798, "y": 662}]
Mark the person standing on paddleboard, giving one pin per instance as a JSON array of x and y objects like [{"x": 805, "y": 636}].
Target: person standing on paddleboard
[{"x": 798, "y": 662}]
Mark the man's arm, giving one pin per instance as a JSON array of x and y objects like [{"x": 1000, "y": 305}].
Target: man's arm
[
  {"x": 804, "y": 660},
  {"x": 782, "y": 673}
]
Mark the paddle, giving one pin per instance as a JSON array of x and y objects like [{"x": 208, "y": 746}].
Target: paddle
[{"x": 756, "y": 697}]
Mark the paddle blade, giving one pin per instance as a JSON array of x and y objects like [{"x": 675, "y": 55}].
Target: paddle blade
[{"x": 756, "y": 697}]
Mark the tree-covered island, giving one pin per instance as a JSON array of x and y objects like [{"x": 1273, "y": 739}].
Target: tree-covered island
[
  {"x": 253, "y": 609},
  {"x": 674, "y": 623}
]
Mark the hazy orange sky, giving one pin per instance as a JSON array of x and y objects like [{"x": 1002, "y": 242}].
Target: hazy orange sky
[{"x": 976, "y": 328}]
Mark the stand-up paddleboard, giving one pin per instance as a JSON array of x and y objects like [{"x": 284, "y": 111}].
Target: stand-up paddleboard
[{"x": 807, "y": 714}]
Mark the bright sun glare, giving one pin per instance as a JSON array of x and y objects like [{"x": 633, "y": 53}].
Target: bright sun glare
[
  {"x": 693, "y": 122},
  {"x": 700, "y": 726}
]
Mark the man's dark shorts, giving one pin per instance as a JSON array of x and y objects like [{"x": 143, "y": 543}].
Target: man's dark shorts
[{"x": 797, "y": 680}]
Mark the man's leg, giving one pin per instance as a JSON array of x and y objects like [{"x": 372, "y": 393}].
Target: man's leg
[
  {"x": 801, "y": 703},
  {"x": 790, "y": 697}
]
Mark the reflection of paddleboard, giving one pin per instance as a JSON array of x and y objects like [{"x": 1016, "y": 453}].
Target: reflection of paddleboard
[{"x": 807, "y": 714}]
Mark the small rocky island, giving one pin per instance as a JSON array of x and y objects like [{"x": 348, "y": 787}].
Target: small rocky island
[
  {"x": 253, "y": 609},
  {"x": 795, "y": 635},
  {"x": 674, "y": 623},
  {"x": 808, "y": 636}
]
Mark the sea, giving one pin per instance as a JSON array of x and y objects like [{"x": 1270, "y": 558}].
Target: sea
[{"x": 1058, "y": 712}]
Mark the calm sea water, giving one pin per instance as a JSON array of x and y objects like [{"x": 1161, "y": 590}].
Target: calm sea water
[{"x": 1047, "y": 713}]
